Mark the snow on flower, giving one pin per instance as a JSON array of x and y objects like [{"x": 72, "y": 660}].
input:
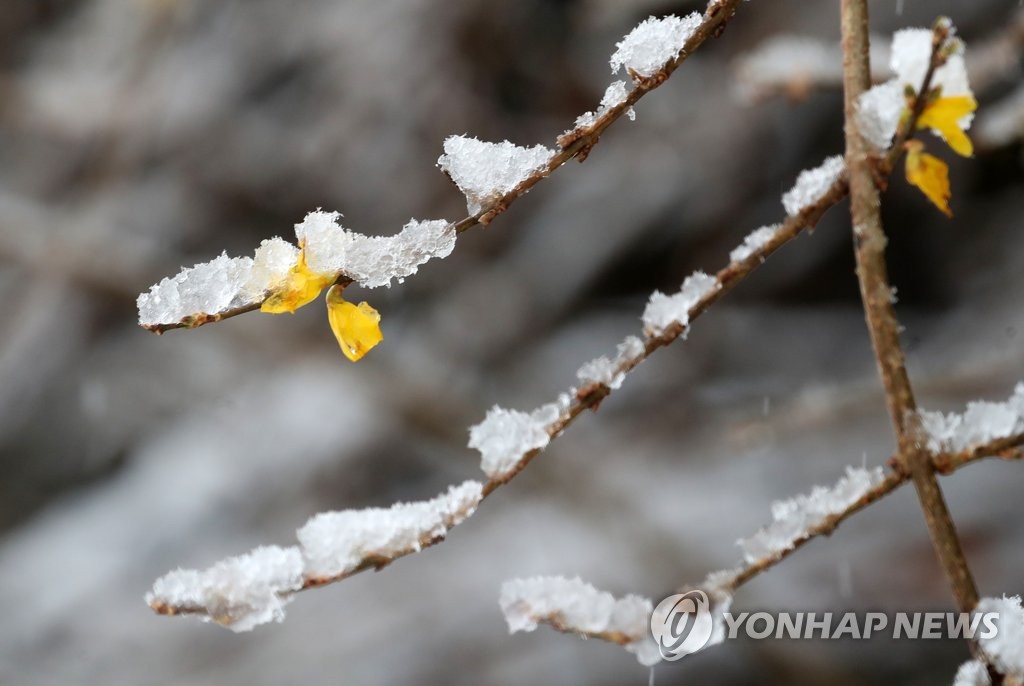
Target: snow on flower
[
  {"x": 505, "y": 436},
  {"x": 879, "y": 109},
  {"x": 337, "y": 543},
  {"x": 228, "y": 283},
  {"x": 982, "y": 422},
  {"x": 653, "y": 42},
  {"x": 794, "y": 518},
  {"x": 486, "y": 171},
  {"x": 573, "y": 605},
  {"x": 663, "y": 311},
  {"x": 811, "y": 184}
]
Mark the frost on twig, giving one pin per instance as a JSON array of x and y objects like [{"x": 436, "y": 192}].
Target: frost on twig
[
  {"x": 227, "y": 283},
  {"x": 795, "y": 518},
  {"x": 1004, "y": 650},
  {"x": 574, "y": 606},
  {"x": 982, "y": 422},
  {"x": 663, "y": 311},
  {"x": 337, "y": 543},
  {"x": 754, "y": 242},
  {"x": 484, "y": 172},
  {"x": 811, "y": 184},
  {"x": 246, "y": 591},
  {"x": 239, "y": 592},
  {"x": 614, "y": 95},
  {"x": 652, "y": 43},
  {"x": 879, "y": 109},
  {"x": 608, "y": 372},
  {"x": 504, "y": 437}
]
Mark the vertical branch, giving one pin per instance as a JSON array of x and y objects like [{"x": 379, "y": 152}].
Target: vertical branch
[{"x": 876, "y": 294}]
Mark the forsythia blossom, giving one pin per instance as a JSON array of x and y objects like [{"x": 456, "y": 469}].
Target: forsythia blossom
[{"x": 357, "y": 327}]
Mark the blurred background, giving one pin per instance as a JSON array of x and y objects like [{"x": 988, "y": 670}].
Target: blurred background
[{"x": 137, "y": 137}]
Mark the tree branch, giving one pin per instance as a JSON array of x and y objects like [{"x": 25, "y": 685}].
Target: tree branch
[
  {"x": 945, "y": 463},
  {"x": 876, "y": 294},
  {"x": 575, "y": 144}
]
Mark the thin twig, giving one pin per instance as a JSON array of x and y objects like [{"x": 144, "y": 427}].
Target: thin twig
[{"x": 1005, "y": 449}]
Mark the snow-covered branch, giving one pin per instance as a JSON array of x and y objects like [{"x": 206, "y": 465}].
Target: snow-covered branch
[
  {"x": 246, "y": 591},
  {"x": 572, "y": 606},
  {"x": 490, "y": 175},
  {"x": 252, "y": 589},
  {"x": 798, "y": 520},
  {"x": 575, "y": 607}
]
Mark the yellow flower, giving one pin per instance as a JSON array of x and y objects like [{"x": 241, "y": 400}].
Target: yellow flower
[
  {"x": 943, "y": 115},
  {"x": 930, "y": 174},
  {"x": 357, "y": 327},
  {"x": 300, "y": 287}
]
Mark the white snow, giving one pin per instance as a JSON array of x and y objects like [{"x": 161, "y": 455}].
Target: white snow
[
  {"x": 239, "y": 592},
  {"x": 574, "y": 605},
  {"x": 663, "y": 311},
  {"x": 252, "y": 589},
  {"x": 486, "y": 171},
  {"x": 270, "y": 265},
  {"x": 504, "y": 436},
  {"x": 608, "y": 372},
  {"x": 209, "y": 287},
  {"x": 879, "y": 109},
  {"x": 811, "y": 184},
  {"x": 878, "y": 112},
  {"x": 614, "y": 95},
  {"x": 231, "y": 282},
  {"x": 372, "y": 261},
  {"x": 982, "y": 422},
  {"x": 911, "y": 51},
  {"x": 336, "y": 543},
  {"x": 755, "y": 240},
  {"x": 794, "y": 518},
  {"x": 1005, "y": 650},
  {"x": 972, "y": 673},
  {"x": 653, "y": 42}
]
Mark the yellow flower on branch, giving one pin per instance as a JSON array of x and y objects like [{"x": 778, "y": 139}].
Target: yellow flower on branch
[
  {"x": 930, "y": 174},
  {"x": 944, "y": 115},
  {"x": 299, "y": 288},
  {"x": 357, "y": 327}
]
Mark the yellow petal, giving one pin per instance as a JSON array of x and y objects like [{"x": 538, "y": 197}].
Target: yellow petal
[
  {"x": 299, "y": 288},
  {"x": 930, "y": 174},
  {"x": 944, "y": 116},
  {"x": 357, "y": 327}
]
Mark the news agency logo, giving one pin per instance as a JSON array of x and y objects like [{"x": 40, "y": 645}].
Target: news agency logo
[{"x": 682, "y": 624}]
